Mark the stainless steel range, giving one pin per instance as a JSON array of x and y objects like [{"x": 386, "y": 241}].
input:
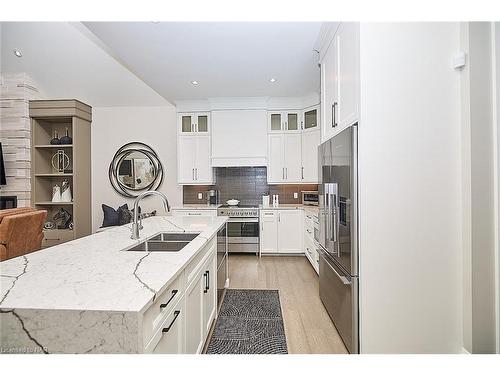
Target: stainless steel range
[{"x": 242, "y": 228}]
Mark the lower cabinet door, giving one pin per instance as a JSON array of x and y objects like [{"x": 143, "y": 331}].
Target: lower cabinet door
[
  {"x": 169, "y": 339},
  {"x": 290, "y": 227},
  {"x": 194, "y": 314},
  {"x": 268, "y": 231},
  {"x": 209, "y": 293}
]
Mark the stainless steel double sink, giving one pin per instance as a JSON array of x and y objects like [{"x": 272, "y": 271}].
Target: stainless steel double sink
[{"x": 165, "y": 242}]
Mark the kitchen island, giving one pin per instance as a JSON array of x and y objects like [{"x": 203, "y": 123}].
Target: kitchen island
[{"x": 92, "y": 296}]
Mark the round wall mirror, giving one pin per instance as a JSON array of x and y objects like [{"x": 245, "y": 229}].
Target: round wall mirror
[{"x": 135, "y": 168}]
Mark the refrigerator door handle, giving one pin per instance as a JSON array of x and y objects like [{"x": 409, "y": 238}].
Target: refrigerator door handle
[
  {"x": 333, "y": 201},
  {"x": 343, "y": 279}
]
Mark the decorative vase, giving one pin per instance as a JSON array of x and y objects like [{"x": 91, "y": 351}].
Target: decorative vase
[
  {"x": 55, "y": 140},
  {"x": 65, "y": 192},
  {"x": 66, "y": 140},
  {"x": 56, "y": 194}
]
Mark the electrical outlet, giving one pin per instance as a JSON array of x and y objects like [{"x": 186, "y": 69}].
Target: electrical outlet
[
  {"x": 296, "y": 195},
  {"x": 200, "y": 195}
]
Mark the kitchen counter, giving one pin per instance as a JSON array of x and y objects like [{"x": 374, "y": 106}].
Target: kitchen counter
[{"x": 68, "y": 290}]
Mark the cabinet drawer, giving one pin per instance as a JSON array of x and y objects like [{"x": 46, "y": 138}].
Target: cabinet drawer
[
  {"x": 162, "y": 306},
  {"x": 198, "y": 261},
  {"x": 169, "y": 337},
  {"x": 57, "y": 236},
  {"x": 194, "y": 212}
]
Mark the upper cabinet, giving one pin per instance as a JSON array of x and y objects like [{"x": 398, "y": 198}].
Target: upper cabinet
[
  {"x": 194, "y": 123},
  {"x": 284, "y": 121},
  {"x": 310, "y": 118},
  {"x": 193, "y": 161},
  {"x": 340, "y": 81}
]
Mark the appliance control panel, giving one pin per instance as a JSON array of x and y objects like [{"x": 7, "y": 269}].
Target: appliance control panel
[{"x": 238, "y": 212}]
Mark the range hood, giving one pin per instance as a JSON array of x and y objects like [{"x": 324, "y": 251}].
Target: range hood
[{"x": 239, "y": 138}]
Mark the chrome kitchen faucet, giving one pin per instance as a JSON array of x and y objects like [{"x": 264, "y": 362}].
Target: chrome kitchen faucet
[{"x": 136, "y": 226}]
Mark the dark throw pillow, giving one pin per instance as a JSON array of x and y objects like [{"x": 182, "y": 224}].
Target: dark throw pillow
[{"x": 111, "y": 216}]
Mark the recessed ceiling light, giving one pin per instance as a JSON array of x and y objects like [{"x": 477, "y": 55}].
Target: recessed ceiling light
[
  {"x": 272, "y": 80},
  {"x": 17, "y": 52},
  {"x": 194, "y": 82}
]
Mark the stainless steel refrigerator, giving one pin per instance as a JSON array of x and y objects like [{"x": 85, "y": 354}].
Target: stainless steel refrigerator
[{"x": 338, "y": 233}]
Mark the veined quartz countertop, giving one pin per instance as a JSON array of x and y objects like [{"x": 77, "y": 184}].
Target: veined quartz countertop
[{"x": 95, "y": 273}]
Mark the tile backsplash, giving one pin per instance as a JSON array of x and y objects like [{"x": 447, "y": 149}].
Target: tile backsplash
[{"x": 247, "y": 184}]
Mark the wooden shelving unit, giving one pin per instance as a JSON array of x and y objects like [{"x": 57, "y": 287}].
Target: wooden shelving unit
[{"x": 48, "y": 116}]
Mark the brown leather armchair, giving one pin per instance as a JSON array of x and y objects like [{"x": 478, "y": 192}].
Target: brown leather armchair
[{"x": 21, "y": 231}]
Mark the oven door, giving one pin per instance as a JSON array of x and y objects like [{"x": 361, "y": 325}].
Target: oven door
[{"x": 243, "y": 235}]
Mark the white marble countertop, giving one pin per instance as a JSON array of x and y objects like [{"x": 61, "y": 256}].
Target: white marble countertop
[
  {"x": 195, "y": 206},
  {"x": 94, "y": 273}
]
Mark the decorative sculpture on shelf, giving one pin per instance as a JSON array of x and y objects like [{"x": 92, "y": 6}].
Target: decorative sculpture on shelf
[
  {"x": 66, "y": 192},
  {"x": 60, "y": 161},
  {"x": 63, "y": 219},
  {"x": 66, "y": 140},
  {"x": 55, "y": 140}
]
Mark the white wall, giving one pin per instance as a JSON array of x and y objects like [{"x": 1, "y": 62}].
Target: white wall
[
  {"x": 478, "y": 194},
  {"x": 409, "y": 178},
  {"x": 112, "y": 127}
]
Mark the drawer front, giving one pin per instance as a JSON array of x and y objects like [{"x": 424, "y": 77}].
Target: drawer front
[
  {"x": 56, "y": 237},
  {"x": 194, "y": 212},
  {"x": 162, "y": 306},
  {"x": 198, "y": 261},
  {"x": 169, "y": 337}
]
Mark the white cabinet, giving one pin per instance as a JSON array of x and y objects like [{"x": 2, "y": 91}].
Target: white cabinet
[
  {"x": 281, "y": 231},
  {"x": 290, "y": 224},
  {"x": 180, "y": 319},
  {"x": 310, "y": 118},
  {"x": 329, "y": 90},
  {"x": 310, "y": 143},
  {"x": 268, "y": 231},
  {"x": 348, "y": 73},
  {"x": 194, "y": 123},
  {"x": 193, "y": 158},
  {"x": 284, "y": 121},
  {"x": 194, "y": 318},
  {"x": 310, "y": 246},
  {"x": 340, "y": 81},
  {"x": 284, "y": 158},
  {"x": 169, "y": 339},
  {"x": 201, "y": 302},
  {"x": 209, "y": 293}
]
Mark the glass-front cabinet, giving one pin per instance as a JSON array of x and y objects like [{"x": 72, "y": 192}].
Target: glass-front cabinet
[
  {"x": 194, "y": 123},
  {"x": 310, "y": 118},
  {"x": 284, "y": 121}
]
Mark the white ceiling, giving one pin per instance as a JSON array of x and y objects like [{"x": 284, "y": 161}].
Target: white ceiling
[
  {"x": 227, "y": 59},
  {"x": 66, "y": 63}
]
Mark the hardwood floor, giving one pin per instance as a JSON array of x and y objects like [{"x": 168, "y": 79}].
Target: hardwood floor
[{"x": 308, "y": 327}]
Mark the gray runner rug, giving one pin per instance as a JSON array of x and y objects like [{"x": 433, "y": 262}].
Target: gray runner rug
[{"x": 249, "y": 322}]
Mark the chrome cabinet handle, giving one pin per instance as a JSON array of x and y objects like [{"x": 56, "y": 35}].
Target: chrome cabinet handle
[
  {"x": 286, "y": 173},
  {"x": 207, "y": 281},
  {"x": 193, "y": 174},
  {"x": 283, "y": 173},
  {"x": 302, "y": 172},
  {"x": 176, "y": 314},
  {"x": 334, "y": 109},
  {"x": 174, "y": 292},
  {"x": 196, "y": 174},
  {"x": 194, "y": 213}
]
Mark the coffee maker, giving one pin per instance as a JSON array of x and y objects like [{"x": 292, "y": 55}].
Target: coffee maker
[{"x": 212, "y": 197}]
